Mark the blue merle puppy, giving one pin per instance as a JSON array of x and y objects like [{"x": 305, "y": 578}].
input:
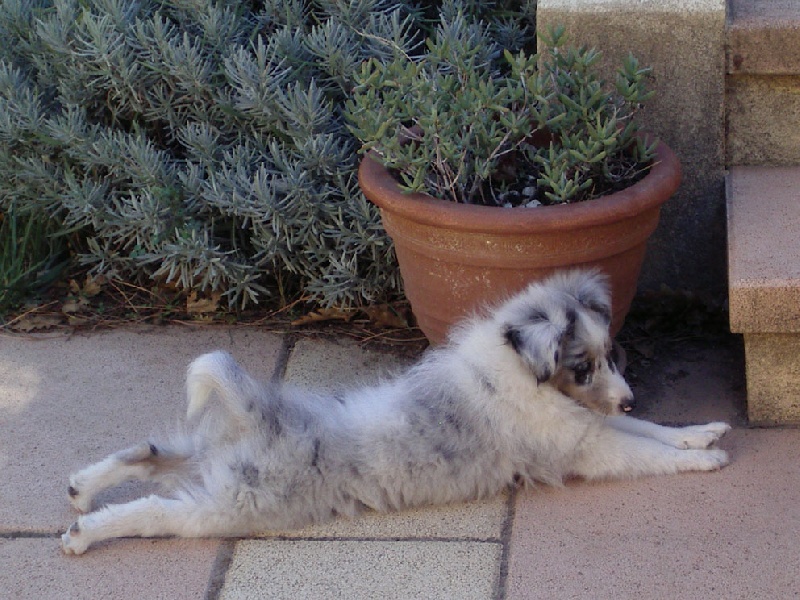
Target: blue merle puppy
[{"x": 527, "y": 391}]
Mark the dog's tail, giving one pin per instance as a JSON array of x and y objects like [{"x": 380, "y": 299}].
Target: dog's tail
[{"x": 218, "y": 373}]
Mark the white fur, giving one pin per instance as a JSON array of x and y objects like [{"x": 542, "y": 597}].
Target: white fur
[{"x": 528, "y": 392}]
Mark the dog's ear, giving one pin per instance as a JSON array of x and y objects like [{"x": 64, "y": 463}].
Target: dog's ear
[
  {"x": 538, "y": 338},
  {"x": 591, "y": 289}
]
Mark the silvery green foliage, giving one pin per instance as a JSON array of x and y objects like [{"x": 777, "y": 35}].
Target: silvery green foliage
[
  {"x": 200, "y": 143},
  {"x": 468, "y": 106}
]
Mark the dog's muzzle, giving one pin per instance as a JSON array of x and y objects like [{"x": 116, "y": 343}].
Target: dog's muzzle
[{"x": 628, "y": 404}]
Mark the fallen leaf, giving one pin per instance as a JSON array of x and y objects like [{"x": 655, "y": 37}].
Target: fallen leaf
[
  {"x": 36, "y": 322},
  {"x": 384, "y": 315},
  {"x": 325, "y": 314},
  {"x": 195, "y": 305},
  {"x": 76, "y": 320},
  {"x": 74, "y": 305},
  {"x": 93, "y": 285},
  {"x": 203, "y": 318}
]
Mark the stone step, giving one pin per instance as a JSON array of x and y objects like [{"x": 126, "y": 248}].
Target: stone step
[
  {"x": 764, "y": 286},
  {"x": 763, "y": 82}
]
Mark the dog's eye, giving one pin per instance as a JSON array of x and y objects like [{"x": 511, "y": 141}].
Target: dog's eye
[
  {"x": 583, "y": 372},
  {"x": 583, "y": 367}
]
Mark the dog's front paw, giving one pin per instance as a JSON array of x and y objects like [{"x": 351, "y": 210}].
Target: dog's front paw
[
  {"x": 72, "y": 542},
  {"x": 712, "y": 459},
  {"x": 80, "y": 500},
  {"x": 701, "y": 436}
]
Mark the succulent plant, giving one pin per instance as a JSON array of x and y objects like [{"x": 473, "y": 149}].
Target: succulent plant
[{"x": 471, "y": 122}]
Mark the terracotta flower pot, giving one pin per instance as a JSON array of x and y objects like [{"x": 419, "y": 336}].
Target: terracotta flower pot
[{"x": 455, "y": 258}]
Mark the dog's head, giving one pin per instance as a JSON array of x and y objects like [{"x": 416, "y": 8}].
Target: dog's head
[{"x": 559, "y": 328}]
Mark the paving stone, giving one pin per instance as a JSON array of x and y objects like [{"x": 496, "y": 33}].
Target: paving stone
[
  {"x": 35, "y": 569},
  {"x": 331, "y": 364},
  {"x": 764, "y": 282},
  {"x": 730, "y": 534},
  {"x": 362, "y": 570},
  {"x": 763, "y": 37},
  {"x": 482, "y": 520}
]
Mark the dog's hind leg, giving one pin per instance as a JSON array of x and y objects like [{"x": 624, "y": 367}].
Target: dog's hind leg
[
  {"x": 613, "y": 454},
  {"x": 693, "y": 436},
  {"x": 144, "y": 462},
  {"x": 153, "y": 516}
]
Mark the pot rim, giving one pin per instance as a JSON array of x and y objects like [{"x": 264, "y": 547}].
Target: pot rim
[{"x": 650, "y": 192}]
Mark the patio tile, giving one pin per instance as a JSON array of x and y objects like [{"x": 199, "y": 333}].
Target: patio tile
[
  {"x": 331, "y": 364},
  {"x": 730, "y": 534},
  {"x": 35, "y": 569},
  {"x": 362, "y": 570},
  {"x": 483, "y": 520}
]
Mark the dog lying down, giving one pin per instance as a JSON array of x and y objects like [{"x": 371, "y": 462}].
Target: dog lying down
[{"x": 528, "y": 392}]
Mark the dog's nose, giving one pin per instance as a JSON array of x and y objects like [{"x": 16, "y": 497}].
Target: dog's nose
[{"x": 627, "y": 404}]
